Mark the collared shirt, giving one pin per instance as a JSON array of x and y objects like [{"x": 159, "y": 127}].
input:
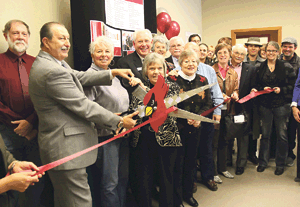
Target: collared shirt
[
  {"x": 216, "y": 94},
  {"x": 223, "y": 71},
  {"x": 238, "y": 70},
  {"x": 142, "y": 59},
  {"x": 175, "y": 61},
  {"x": 12, "y": 104}
]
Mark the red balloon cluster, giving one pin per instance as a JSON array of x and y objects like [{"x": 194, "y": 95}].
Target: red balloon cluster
[{"x": 166, "y": 25}]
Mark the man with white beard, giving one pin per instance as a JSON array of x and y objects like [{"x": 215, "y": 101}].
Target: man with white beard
[
  {"x": 176, "y": 48},
  {"x": 18, "y": 120}
]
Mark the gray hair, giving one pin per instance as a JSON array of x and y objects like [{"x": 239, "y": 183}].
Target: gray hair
[
  {"x": 188, "y": 53},
  {"x": 8, "y": 26},
  {"x": 147, "y": 31},
  {"x": 237, "y": 46},
  {"x": 153, "y": 58},
  {"x": 273, "y": 43},
  {"x": 176, "y": 38},
  {"x": 102, "y": 40},
  {"x": 46, "y": 31},
  {"x": 161, "y": 39}
]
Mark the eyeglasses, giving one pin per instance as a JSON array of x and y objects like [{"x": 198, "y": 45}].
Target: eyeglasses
[
  {"x": 173, "y": 46},
  {"x": 189, "y": 62},
  {"x": 272, "y": 51},
  {"x": 237, "y": 53}
]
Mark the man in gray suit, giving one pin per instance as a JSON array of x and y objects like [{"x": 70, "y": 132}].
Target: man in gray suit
[{"x": 67, "y": 116}]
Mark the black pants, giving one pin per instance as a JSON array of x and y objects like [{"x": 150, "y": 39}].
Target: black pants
[
  {"x": 298, "y": 149},
  {"x": 205, "y": 151},
  {"x": 190, "y": 137},
  {"x": 280, "y": 115},
  {"x": 144, "y": 158},
  {"x": 220, "y": 147}
]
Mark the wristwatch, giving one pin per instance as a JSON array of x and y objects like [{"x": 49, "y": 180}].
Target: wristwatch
[
  {"x": 10, "y": 170},
  {"x": 120, "y": 124}
]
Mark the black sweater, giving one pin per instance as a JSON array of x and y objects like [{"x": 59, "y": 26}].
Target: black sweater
[{"x": 283, "y": 77}]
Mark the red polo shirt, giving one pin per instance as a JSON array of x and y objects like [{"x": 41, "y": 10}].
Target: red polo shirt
[{"x": 12, "y": 104}]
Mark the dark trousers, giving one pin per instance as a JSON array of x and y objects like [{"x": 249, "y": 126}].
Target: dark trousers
[
  {"x": 292, "y": 131},
  {"x": 242, "y": 147},
  {"x": 190, "y": 137},
  {"x": 144, "y": 158},
  {"x": 205, "y": 153},
  {"x": 220, "y": 146},
  {"x": 298, "y": 149},
  {"x": 252, "y": 147},
  {"x": 280, "y": 115},
  {"x": 230, "y": 151}
]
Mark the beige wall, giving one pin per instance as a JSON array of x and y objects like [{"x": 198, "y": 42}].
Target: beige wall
[
  {"x": 186, "y": 13},
  {"x": 37, "y": 12},
  {"x": 220, "y": 17}
]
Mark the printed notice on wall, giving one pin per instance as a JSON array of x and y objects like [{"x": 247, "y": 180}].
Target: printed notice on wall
[
  {"x": 98, "y": 28},
  {"x": 125, "y": 14}
]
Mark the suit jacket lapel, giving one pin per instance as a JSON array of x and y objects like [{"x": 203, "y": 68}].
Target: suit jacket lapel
[
  {"x": 136, "y": 63},
  {"x": 244, "y": 75}
]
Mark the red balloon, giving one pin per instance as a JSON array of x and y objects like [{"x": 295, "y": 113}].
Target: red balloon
[
  {"x": 173, "y": 30},
  {"x": 163, "y": 20}
]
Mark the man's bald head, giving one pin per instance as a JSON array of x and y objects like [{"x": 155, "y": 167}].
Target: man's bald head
[{"x": 192, "y": 46}]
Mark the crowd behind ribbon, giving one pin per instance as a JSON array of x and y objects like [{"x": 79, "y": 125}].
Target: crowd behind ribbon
[{"x": 49, "y": 111}]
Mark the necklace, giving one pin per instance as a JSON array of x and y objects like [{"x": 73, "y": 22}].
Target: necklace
[{"x": 272, "y": 68}]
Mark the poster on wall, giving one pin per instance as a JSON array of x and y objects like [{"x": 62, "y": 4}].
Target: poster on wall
[
  {"x": 127, "y": 43},
  {"x": 98, "y": 28},
  {"x": 125, "y": 14}
]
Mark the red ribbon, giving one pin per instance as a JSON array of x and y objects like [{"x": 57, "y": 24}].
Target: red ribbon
[
  {"x": 254, "y": 94},
  {"x": 205, "y": 113},
  {"x": 243, "y": 100},
  {"x": 56, "y": 163}
]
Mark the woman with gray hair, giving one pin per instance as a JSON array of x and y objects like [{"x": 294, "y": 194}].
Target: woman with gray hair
[
  {"x": 154, "y": 151},
  {"x": 274, "y": 107},
  {"x": 109, "y": 175},
  {"x": 161, "y": 46},
  {"x": 189, "y": 130}
]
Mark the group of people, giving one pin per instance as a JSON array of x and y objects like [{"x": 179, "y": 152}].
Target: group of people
[{"x": 50, "y": 111}]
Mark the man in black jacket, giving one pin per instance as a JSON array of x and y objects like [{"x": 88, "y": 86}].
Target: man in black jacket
[
  {"x": 142, "y": 41},
  {"x": 245, "y": 73},
  {"x": 288, "y": 46}
]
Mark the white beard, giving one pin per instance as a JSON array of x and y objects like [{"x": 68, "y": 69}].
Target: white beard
[{"x": 18, "y": 45}]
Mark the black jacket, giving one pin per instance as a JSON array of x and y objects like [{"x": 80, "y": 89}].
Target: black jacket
[
  {"x": 247, "y": 82},
  {"x": 134, "y": 62}
]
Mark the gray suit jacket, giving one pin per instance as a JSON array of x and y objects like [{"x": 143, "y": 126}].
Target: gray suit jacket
[{"x": 65, "y": 114}]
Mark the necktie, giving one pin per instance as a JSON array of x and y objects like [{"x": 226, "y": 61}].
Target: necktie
[{"x": 24, "y": 82}]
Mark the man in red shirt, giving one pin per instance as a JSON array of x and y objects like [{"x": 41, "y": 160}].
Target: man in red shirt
[{"x": 18, "y": 120}]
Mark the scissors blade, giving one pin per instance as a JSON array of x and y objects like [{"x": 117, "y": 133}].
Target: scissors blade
[
  {"x": 141, "y": 110},
  {"x": 171, "y": 101},
  {"x": 188, "y": 115},
  {"x": 140, "y": 93}
]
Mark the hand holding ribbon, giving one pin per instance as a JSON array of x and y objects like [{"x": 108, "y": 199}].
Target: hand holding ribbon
[{"x": 254, "y": 93}]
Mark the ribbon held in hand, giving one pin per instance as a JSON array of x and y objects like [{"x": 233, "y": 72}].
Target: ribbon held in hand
[
  {"x": 254, "y": 94},
  {"x": 56, "y": 163},
  {"x": 205, "y": 113}
]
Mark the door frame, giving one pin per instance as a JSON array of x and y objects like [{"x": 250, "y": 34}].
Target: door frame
[{"x": 273, "y": 33}]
